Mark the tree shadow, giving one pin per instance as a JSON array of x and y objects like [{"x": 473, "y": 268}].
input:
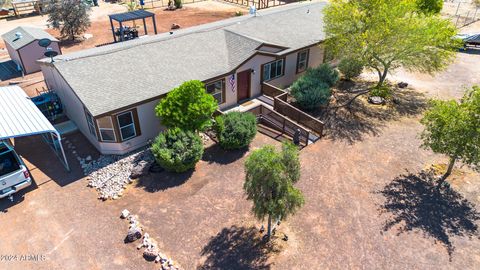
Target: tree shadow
[
  {"x": 216, "y": 154},
  {"x": 352, "y": 123},
  {"x": 155, "y": 182},
  {"x": 238, "y": 248},
  {"x": 415, "y": 202}
]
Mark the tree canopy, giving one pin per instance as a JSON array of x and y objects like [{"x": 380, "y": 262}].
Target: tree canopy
[
  {"x": 188, "y": 107},
  {"x": 430, "y": 6},
  {"x": 269, "y": 182},
  {"x": 387, "y": 34},
  {"x": 71, "y": 17},
  {"x": 453, "y": 128}
]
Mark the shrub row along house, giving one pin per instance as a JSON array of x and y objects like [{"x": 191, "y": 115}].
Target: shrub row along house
[{"x": 110, "y": 92}]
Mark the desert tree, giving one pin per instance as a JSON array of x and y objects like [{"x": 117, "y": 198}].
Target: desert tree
[
  {"x": 388, "y": 34},
  {"x": 269, "y": 183},
  {"x": 70, "y": 17},
  {"x": 452, "y": 128}
]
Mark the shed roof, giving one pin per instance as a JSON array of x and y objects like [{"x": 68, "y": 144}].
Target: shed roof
[
  {"x": 19, "y": 116},
  {"x": 116, "y": 76},
  {"x": 29, "y": 34},
  {"x": 131, "y": 15}
]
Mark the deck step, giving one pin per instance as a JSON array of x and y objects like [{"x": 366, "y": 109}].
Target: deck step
[{"x": 66, "y": 127}]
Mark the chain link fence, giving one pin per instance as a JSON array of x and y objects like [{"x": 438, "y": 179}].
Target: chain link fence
[{"x": 462, "y": 12}]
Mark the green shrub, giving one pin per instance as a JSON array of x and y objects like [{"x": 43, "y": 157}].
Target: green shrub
[
  {"x": 238, "y": 13},
  {"x": 178, "y": 3},
  {"x": 188, "y": 107},
  {"x": 236, "y": 130},
  {"x": 350, "y": 68},
  {"x": 383, "y": 91},
  {"x": 324, "y": 73},
  {"x": 313, "y": 89},
  {"x": 177, "y": 150}
]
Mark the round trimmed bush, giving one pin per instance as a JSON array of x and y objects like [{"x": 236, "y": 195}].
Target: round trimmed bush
[
  {"x": 177, "y": 150},
  {"x": 350, "y": 68},
  {"x": 236, "y": 130}
]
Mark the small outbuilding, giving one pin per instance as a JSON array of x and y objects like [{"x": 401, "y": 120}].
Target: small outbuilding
[{"x": 23, "y": 48}]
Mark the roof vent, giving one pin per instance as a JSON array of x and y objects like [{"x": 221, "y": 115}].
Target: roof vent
[{"x": 18, "y": 35}]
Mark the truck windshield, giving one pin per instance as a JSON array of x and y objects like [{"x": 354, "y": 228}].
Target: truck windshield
[{"x": 8, "y": 163}]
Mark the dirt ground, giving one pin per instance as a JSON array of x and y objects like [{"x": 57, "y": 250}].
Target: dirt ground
[
  {"x": 366, "y": 204},
  {"x": 189, "y": 15}
]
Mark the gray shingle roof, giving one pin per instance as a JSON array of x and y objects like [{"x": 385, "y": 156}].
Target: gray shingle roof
[
  {"x": 112, "y": 77},
  {"x": 29, "y": 34}
]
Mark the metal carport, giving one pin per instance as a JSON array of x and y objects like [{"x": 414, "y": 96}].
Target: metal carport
[{"x": 19, "y": 117}]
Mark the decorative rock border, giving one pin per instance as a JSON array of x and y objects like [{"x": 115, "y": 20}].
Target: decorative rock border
[{"x": 151, "y": 252}]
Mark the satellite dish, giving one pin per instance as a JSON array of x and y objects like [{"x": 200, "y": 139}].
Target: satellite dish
[
  {"x": 44, "y": 42},
  {"x": 51, "y": 54}
]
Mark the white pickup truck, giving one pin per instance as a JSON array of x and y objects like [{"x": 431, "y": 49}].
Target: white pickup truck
[{"x": 14, "y": 175}]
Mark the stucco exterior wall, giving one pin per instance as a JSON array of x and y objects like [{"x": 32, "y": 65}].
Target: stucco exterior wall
[
  {"x": 13, "y": 54},
  {"x": 32, "y": 52}
]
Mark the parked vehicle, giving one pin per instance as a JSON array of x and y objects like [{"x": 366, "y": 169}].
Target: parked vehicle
[
  {"x": 469, "y": 40},
  {"x": 14, "y": 175}
]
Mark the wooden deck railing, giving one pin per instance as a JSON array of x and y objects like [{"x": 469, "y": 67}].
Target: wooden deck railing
[
  {"x": 279, "y": 122},
  {"x": 281, "y": 106}
]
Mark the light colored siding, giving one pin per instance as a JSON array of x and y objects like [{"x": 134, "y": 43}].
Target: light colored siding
[
  {"x": 13, "y": 54},
  {"x": 33, "y": 52},
  {"x": 72, "y": 106},
  {"x": 315, "y": 58},
  {"x": 150, "y": 127}
]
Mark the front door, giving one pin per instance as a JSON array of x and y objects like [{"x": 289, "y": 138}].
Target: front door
[{"x": 243, "y": 85}]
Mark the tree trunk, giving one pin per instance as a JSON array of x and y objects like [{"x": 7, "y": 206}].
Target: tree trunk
[
  {"x": 269, "y": 227},
  {"x": 382, "y": 77},
  {"x": 448, "y": 172}
]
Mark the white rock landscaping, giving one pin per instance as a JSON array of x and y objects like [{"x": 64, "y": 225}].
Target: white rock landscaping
[{"x": 111, "y": 174}]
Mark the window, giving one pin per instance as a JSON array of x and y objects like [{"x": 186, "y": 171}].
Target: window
[
  {"x": 8, "y": 162},
  {"x": 216, "y": 90},
  {"x": 107, "y": 132},
  {"x": 126, "y": 125},
  {"x": 91, "y": 124},
  {"x": 273, "y": 70},
  {"x": 302, "y": 61}
]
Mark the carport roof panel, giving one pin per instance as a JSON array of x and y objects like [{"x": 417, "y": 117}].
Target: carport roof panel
[
  {"x": 19, "y": 116},
  {"x": 132, "y": 15}
]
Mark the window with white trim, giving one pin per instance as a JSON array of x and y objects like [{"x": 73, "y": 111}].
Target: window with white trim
[
  {"x": 302, "y": 61},
  {"x": 90, "y": 123},
  {"x": 106, "y": 129},
  {"x": 216, "y": 90},
  {"x": 273, "y": 70},
  {"x": 126, "y": 125}
]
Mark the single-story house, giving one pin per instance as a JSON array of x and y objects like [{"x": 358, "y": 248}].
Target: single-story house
[
  {"x": 23, "y": 48},
  {"x": 110, "y": 92}
]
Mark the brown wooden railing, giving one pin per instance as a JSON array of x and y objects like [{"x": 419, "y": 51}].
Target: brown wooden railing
[
  {"x": 280, "y": 123},
  {"x": 281, "y": 106}
]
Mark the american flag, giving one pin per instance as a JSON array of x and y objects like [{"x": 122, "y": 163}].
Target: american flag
[{"x": 232, "y": 82}]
